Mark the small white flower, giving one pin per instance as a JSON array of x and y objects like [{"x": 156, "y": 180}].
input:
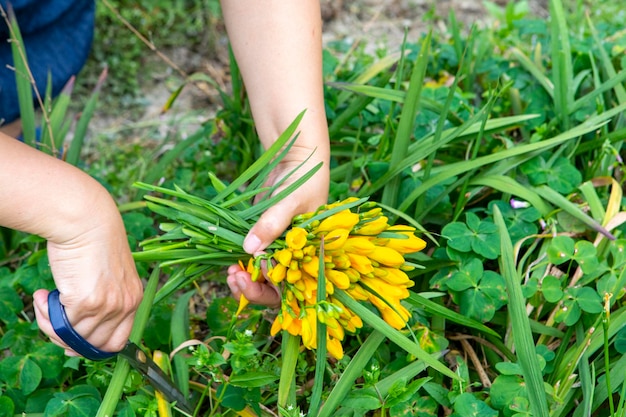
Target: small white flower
[
  {"x": 516, "y": 204},
  {"x": 248, "y": 332},
  {"x": 289, "y": 407}
]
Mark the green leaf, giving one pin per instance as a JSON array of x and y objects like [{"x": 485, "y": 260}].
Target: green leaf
[
  {"x": 475, "y": 304},
  {"x": 362, "y": 399},
  {"x": 467, "y": 276},
  {"x": 7, "y": 408},
  {"x": 30, "y": 375},
  {"x": 585, "y": 254},
  {"x": 232, "y": 397},
  {"x": 219, "y": 313},
  {"x": 253, "y": 379},
  {"x": 588, "y": 300},
  {"x": 466, "y": 405},
  {"x": 78, "y": 401},
  {"x": 620, "y": 341},
  {"x": 561, "y": 249},
  {"x": 508, "y": 368},
  {"x": 551, "y": 289},
  {"x": 459, "y": 236},
  {"x": 10, "y": 305},
  {"x": 504, "y": 389}
]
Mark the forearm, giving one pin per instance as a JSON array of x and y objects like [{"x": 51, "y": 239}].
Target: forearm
[
  {"x": 278, "y": 46},
  {"x": 45, "y": 196}
]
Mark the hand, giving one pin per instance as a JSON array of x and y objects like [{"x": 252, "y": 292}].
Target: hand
[
  {"x": 98, "y": 286},
  {"x": 308, "y": 197},
  {"x": 88, "y": 250}
]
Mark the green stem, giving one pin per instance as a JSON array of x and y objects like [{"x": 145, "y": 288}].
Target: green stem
[
  {"x": 607, "y": 362},
  {"x": 286, "y": 385}
]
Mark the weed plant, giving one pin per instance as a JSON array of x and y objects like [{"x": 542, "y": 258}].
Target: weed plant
[{"x": 501, "y": 144}]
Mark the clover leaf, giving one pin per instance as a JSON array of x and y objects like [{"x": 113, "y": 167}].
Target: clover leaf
[
  {"x": 564, "y": 248},
  {"x": 479, "y": 293},
  {"x": 559, "y": 175},
  {"x": 577, "y": 300},
  {"x": 467, "y": 405},
  {"x": 478, "y": 236}
]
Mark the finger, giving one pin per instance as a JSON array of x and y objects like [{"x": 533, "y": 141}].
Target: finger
[
  {"x": 262, "y": 293},
  {"x": 270, "y": 226},
  {"x": 40, "y": 301}
]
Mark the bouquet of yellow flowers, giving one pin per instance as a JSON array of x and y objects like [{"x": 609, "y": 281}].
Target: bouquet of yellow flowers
[{"x": 347, "y": 246}]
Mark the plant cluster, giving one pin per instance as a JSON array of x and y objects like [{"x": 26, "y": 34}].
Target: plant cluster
[{"x": 501, "y": 146}]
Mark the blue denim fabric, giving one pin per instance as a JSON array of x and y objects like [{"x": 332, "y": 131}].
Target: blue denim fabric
[{"x": 57, "y": 35}]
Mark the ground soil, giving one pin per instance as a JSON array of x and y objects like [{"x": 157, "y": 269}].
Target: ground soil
[{"x": 374, "y": 22}]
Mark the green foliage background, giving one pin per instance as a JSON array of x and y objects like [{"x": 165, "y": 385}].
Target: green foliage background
[{"x": 502, "y": 143}]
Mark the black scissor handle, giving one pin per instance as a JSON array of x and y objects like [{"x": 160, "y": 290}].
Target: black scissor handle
[{"x": 63, "y": 328}]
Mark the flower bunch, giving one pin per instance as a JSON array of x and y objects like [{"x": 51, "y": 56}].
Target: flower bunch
[{"x": 362, "y": 255}]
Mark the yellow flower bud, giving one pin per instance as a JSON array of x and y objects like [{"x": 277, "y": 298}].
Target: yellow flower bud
[
  {"x": 360, "y": 263},
  {"x": 370, "y": 214},
  {"x": 384, "y": 289},
  {"x": 312, "y": 267},
  {"x": 296, "y": 238},
  {"x": 309, "y": 329},
  {"x": 396, "y": 277},
  {"x": 352, "y": 274},
  {"x": 293, "y": 275},
  {"x": 334, "y": 328},
  {"x": 373, "y": 227},
  {"x": 310, "y": 250},
  {"x": 335, "y": 238},
  {"x": 359, "y": 245},
  {"x": 409, "y": 245},
  {"x": 277, "y": 274},
  {"x": 330, "y": 288},
  {"x": 392, "y": 318},
  {"x": 343, "y": 220},
  {"x": 387, "y": 256},
  {"x": 297, "y": 254},
  {"x": 334, "y": 348},
  {"x": 357, "y": 292},
  {"x": 283, "y": 256},
  {"x": 341, "y": 261},
  {"x": 276, "y": 325},
  {"x": 338, "y": 278}
]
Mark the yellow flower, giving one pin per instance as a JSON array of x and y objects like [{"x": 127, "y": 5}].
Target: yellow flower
[
  {"x": 387, "y": 256},
  {"x": 335, "y": 239},
  {"x": 309, "y": 328},
  {"x": 312, "y": 267},
  {"x": 360, "y": 263},
  {"x": 293, "y": 275},
  {"x": 359, "y": 245},
  {"x": 334, "y": 348},
  {"x": 296, "y": 238},
  {"x": 277, "y": 274},
  {"x": 283, "y": 256},
  {"x": 373, "y": 227},
  {"x": 345, "y": 219},
  {"x": 338, "y": 278},
  {"x": 396, "y": 277},
  {"x": 409, "y": 245}
]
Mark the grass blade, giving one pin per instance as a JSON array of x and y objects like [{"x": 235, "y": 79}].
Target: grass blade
[
  {"x": 23, "y": 79},
  {"x": 522, "y": 335},
  {"x": 392, "y": 334},
  {"x": 352, "y": 372},
  {"x": 407, "y": 120},
  {"x": 118, "y": 380}
]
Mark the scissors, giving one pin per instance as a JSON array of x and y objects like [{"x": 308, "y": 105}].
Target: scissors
[{"x": 132, "y": 353}]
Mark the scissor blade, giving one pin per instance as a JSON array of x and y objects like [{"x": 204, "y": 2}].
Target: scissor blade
[{"x": 151, "y": 371}]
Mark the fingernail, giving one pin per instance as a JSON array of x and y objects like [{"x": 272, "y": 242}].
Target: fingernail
[
  {"x": 242, "y": 284},
  {"x": 251, "y": 243}
]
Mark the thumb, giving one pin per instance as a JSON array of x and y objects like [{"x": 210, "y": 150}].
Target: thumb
[{"x": 270, "y": 226}]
